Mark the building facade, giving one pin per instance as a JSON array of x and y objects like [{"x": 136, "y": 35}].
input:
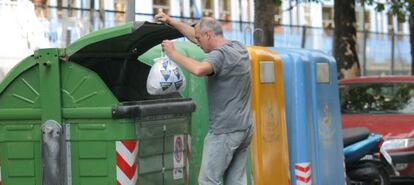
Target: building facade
[
  {"x": 290, "y": 13},
  {"x": 322, "y": 15},
  {"x": 382, "y": 48}
]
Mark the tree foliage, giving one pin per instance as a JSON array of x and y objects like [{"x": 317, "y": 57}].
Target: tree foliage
[
  {"x": 377, "y": 98},
  {"x": 399, "y": 8}
]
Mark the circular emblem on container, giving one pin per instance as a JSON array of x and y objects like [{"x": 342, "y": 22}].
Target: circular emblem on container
[
  {"x": 326, "y": 129},
  {"x": 270, "y": 125}
]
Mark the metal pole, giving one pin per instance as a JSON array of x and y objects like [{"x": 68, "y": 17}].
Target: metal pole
[
  {"x": 92, "y": 12},
  {"x": 101, "y": 13},
  {"x": 81, "y": 12},
  {"x": 303, "y": 37},
  {"x": 68, "y": 36},
  {"x": 364, "y": 53},
  {"x": 392, "y": 51},
  {"x": 59, "y": 5},
  {"x": 130, "y": 11},
  {"x": 297, "y": 12},
  {"x": 182, "y": 8},
  {"x": 70, "y": 8},
  {"x": 240, "y": 16},
  {"x": 290, "y": 12}
]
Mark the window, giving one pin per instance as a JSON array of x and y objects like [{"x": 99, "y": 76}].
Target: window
[
  {"x": 208, "y": 8},
  {"x": 400, "y": 24},
  {"x": 308, "y": 14},
  {"x": 362, "y": 18},
  {"x": 390, "y": 22},
  {"x": 278, "y": 14},
  {"x": 327, "y": 13},
  {"x": 400, "y": 27},
  {"x": 209, "y": 4},
  {"x": 327, "y": 17},
  {"x": 367, "y": 18},
  {"x": 163, "y": 4},
  {"x": 225, "y": 9}
]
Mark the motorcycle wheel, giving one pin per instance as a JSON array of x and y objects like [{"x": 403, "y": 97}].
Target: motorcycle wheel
[{"x": 382, "y": 179}]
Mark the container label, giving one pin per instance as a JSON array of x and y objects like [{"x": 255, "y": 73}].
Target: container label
[
  {"x": 267, "y": 72},
  {"x": 322, "y": 73},
  {"x": 326, "y": 129},
  {"x": 178, "y": 151}
]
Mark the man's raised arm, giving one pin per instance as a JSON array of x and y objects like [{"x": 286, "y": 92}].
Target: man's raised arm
[{"x": 182, "y": 27}]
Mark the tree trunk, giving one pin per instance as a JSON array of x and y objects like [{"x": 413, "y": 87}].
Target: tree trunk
[
  {"x": 411, "y": 21},
  {"x": 345, "y": 39},
  {"x": 264, "y": 22}
]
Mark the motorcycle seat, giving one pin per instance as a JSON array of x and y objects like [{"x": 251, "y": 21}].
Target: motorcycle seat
[{"x": 353, "y": 135}]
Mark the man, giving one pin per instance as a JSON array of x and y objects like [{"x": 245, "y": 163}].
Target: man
[{"x": 230, "y": 124}]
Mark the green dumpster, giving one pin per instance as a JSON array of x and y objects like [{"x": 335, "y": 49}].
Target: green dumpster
[
  {"x": 82, "y": 116},
  {"x": 196, "y": 90}
]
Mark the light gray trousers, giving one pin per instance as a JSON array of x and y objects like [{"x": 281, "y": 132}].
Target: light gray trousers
[{"x": 224, "y": 157}]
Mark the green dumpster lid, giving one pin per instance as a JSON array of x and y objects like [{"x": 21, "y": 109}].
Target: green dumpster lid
[{"x": 126, "y": 41}]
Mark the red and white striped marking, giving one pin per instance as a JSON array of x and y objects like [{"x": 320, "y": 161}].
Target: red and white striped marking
[
  {"x": 126, "y": 162},
  {"x": 303, "y": 174},
  {"x": 0, "y": 176},
  {"x": 188, "y": 148}
]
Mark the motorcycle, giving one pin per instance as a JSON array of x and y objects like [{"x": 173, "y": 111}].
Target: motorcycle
[{"x": 365, "y": 161}]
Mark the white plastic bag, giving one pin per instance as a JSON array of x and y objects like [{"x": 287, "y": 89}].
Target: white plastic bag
[{"x": 165, "y": 77}]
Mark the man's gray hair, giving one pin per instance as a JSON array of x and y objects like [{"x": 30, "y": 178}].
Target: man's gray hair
[{"x": 208, "y": 23}]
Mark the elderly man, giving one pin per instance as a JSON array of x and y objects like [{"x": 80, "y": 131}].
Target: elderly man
[{"x": 229, "y": 87}]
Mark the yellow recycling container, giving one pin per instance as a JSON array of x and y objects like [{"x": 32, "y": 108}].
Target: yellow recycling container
[{"x": 270, "y": 155}]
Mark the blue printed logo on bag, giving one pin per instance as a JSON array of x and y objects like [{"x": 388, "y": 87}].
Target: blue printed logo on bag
[{"x": 165, "y": 77}]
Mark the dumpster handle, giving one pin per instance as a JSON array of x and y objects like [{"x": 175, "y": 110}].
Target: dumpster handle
[
  {"x": 154, "y": 107},
  {"x": 52, "y": 150}
]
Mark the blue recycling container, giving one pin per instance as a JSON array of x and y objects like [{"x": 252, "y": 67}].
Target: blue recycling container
[{"x": 313, "y": 117}]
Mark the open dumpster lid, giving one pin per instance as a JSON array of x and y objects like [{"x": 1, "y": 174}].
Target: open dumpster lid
[
  {"x": 126, "y": 41},
  {"x": 112, "y": 54}
]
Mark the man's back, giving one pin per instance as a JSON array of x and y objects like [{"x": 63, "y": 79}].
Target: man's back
[{"x": 229, "y": 88}]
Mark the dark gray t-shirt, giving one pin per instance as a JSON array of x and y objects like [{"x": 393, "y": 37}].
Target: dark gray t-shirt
[{"x": 229, "y": 89}]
